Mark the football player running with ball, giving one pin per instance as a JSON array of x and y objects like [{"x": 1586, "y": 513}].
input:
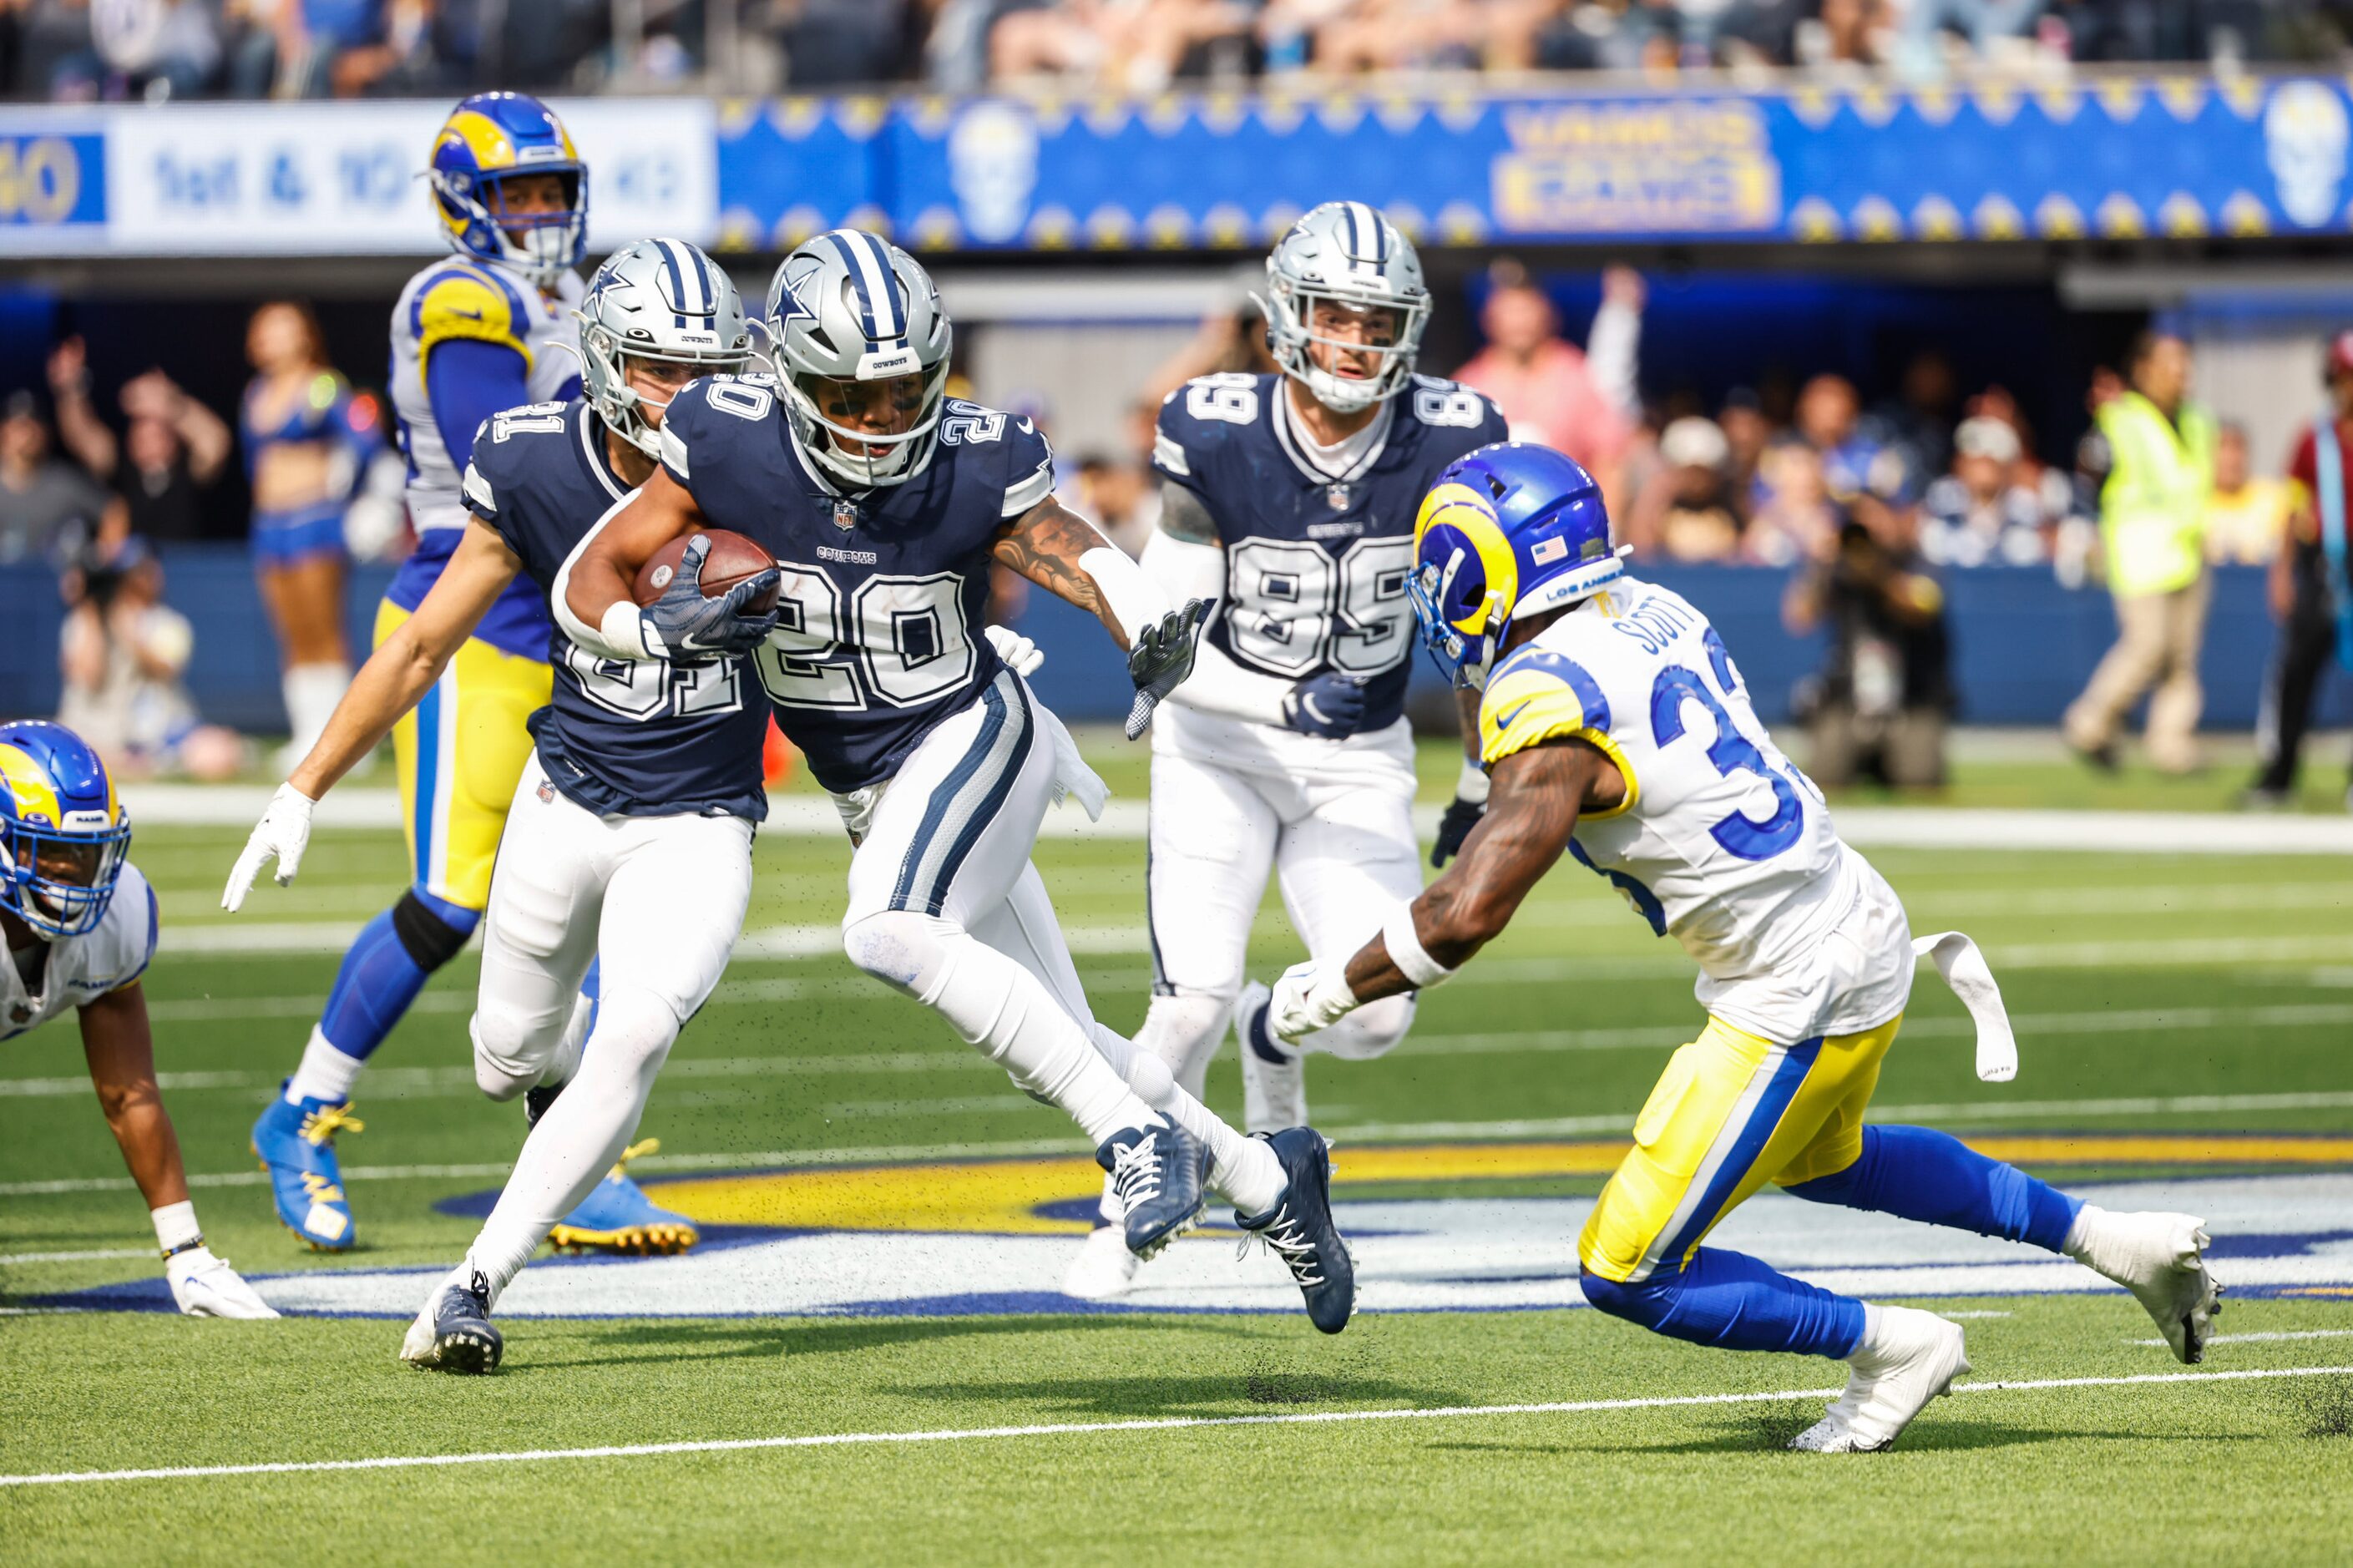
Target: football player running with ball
[
  {"x": 885, "y": 504},
  {"x": 77, "y": 926},
  {"x": 1288, "y": 500},
  {"x": 1617, "y": 728}
]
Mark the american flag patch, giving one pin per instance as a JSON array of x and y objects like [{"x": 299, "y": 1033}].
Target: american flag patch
[{"x": 1548, "y": 551}]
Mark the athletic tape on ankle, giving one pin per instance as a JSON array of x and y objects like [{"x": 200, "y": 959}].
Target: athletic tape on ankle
[{"x": 1407, "y": 953}]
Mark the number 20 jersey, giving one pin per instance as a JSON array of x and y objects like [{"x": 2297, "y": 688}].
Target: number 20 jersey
[
  {"x": 1721, "y": 841},
  {"x": 884, "y": 590},
  {"x": 1315, "y": 563},
  {"x": 620, "y": 737}
]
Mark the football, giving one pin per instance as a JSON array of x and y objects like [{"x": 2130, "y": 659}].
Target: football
[{"x": 733, "y": 558}]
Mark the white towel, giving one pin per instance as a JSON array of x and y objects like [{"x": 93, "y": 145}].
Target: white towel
[{"x": 1965, "y": 970}]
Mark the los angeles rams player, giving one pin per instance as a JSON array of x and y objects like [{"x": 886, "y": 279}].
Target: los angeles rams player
[
  {"x": 885, "y": 503},
  {"x": 77, "y": 926},
  {"x": 1616, "y": 727},
  {"x": 488, "y": 328},
  {"x": 1288, "y": 499}
]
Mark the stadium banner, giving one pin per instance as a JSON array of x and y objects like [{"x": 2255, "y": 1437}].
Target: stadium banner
[
  {"x": 2115, "y": 157},
  {"x": 318, "y": 179}
]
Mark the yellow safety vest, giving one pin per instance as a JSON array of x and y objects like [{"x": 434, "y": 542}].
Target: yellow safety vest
[{"x": 2153, "y": 506}]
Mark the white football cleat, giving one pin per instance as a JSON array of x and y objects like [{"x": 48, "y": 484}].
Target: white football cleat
[
  {"x": 1907, "y": 1359},
  {"x": 2162, "y": 1260},
  {"x": 203, "y": 1286},
  {"x": 1275, "y": 1082},
  {"x": 1104, "y": 1268}
]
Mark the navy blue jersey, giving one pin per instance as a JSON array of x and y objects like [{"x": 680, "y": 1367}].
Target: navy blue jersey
[
  {"x": 621, "y": 738},
  {"x": 1317, "y": 562},
  {"x": 883, "y": 589}
]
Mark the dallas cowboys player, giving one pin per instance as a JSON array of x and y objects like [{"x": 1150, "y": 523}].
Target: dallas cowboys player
[
  {"x": 487, "y": 327},
  {"x": 885, "y": 504},
  {"x": 659, "y": 313},
  {"x": 1289, "y": 499},
  {"x": 1617, "y": 729}
]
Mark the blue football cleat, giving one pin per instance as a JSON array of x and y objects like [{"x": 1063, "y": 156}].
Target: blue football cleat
[
  {"x": 1299, "y": 1231},
  {"x": 454, "y": 1333},
  {"x": 296, "y": 1144},
  {"x": 617, "y": 1216},
  {"x": 1157, "y": 1173}
]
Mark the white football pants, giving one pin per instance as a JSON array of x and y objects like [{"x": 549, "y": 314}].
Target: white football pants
[
  {"x": 1343, "y": 853},
  {"x": 662, "y": 898}
]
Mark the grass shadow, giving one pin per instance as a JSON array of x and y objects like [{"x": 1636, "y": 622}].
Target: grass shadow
[
  {"x": 1146, "y": 1395},
  {"x": 693, "y": 1340}
]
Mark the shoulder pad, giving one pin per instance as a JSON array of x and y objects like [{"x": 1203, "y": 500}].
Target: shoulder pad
[
  {"x": 1199, "y": 415},
  {"x": 469, "y": 303},
  {"x": 1537, "y": 695},
  {"x": 124, "y": 941}
]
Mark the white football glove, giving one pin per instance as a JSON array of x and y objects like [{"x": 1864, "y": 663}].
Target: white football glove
[
  {"x": 1017, "y": 651},
  {"x": 207, "y": 1286},
  {"x": 283, "y": 831},
  {"x": 1307, "y": 998}
]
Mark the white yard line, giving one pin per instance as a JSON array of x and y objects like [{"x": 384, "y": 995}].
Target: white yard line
[
  {"x": 2272, "y": 1337},
  {"x": 103, "y": 1252},
  {"x": 1095, "y": 1428}
]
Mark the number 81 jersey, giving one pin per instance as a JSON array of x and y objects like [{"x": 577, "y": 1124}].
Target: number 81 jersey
[
  {"x": 1721, "y": 841},
  {"x": 1317, "y": 545}
]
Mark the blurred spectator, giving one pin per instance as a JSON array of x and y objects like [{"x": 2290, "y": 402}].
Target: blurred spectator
[
  {"x": 1578, "y": 401},
  {"x": 49, "y": 507},
  {"x": 1690, "y": 508},
  {"x": 1355, "y": 36},
  {"x": 1919, "y": 418},
  {"x": 1132, "y": 46},
  {"x": 1986, "y": 509},
  {"x": 2311, "y": 585},
  {"x": 1880, "y": 704},
  {"x": 837, "y": 43},
  {"x": 1746, "y": 433},
  {"x": 121, "y": 654},
  {"x": 1119, "y": 494},
  {"x": 2246, "y": 517},
  {"x": 174, "y": 448},
  {"x": 2153, "y": 451},
  {"x": 1857, "y": 458},
  {"x": 1796, "y": 520}
]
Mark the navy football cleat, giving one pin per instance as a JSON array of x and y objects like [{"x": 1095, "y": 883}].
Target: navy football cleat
[
  {"x": 1157, "y": 1175},
  {"x": 296, "y": 1144},
  {"x": 1299, "y": 1231},
  {"x": 454, "y": 1333}
]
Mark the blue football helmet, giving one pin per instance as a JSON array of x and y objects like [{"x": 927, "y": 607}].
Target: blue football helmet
[
  {"x": 488, "y": 139},
  {"x": 63, "y": 833},
  {"x": 1511, "y": 529}
]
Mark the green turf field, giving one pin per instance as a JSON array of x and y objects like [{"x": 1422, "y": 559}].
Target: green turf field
[{"x": 2161, "y": 1000}]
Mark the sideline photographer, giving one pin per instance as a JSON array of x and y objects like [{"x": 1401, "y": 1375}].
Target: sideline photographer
[{"x": 1880, "y": 706}]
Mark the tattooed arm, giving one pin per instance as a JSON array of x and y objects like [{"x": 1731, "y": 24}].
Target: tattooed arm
[{"x": 1063, "y": 553}]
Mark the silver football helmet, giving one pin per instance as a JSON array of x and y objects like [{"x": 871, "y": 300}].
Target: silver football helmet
[
  {"x": 656, "y": 300},
  {"x": 1348, "y": 253},
  {"x": 849, "y": 307}
]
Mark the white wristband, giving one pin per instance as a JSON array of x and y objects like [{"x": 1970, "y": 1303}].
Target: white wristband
[
  {"x": 1406, "y": 950},
  {"x": 1472, "y": 783},
  {"x": 175, "y": 1225},
  {"x": 628, "y": 634}
]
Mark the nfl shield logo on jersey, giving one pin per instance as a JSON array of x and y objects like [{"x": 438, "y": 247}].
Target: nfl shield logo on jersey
[
  {"x": 546, "y": 790},
  {"x": 1337, "y": 497},
  {"x": 845, "y": 514}
]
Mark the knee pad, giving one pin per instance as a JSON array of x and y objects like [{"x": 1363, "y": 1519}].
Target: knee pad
[
  {"x": 432, "y": 930},
  {"x": 899, "y": 947},
  {"x": 1643, "y": 1302},
  {"x": 1372, "y": 1030},
  {"x": 501, "y": 1066}
]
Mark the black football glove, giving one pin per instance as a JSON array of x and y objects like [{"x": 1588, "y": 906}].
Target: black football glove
[
  {"x": 1329, "y": 705},
  {"x": 1160, "y": 658},
  {"x": 1461, "y": 817},
  {"x": 694, "y": 628}
]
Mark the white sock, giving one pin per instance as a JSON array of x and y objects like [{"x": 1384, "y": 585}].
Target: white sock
[
  {"x": 993, "y": 1003},
  {"x": 1874, "y": 1324},
  {"x": 1184, "y": 1031},
  {"x": 311, "y": 691},
  {"x": 1243, "y": 1171},
  {"x": 325, "y": 1072},
  {"x": 579, "y": 1138}
]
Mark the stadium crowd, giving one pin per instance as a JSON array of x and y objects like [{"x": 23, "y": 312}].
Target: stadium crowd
[{"x": 81, "y": 50}]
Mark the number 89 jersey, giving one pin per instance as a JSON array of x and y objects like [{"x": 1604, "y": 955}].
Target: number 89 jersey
[
  {"x": 1721, "y": 841},
  {"x": 1317, "y": 560},
  {"x": 620, "y": 737}
]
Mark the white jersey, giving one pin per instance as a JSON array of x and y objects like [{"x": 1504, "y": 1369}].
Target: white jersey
[
  {"x": 81, "y": 969},
  {"x": 463, "y": 297},
  {"x": 1721, "y": 841}
]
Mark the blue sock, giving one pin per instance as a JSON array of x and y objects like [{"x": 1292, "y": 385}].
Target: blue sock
[
  {"x": 1734, "y": 1302},
  {"x": 1918, "y": 1173},
  {"x": 388, "y": 967}
]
